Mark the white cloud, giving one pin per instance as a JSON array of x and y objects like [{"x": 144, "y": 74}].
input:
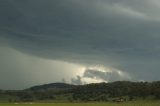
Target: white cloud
[{"x": 97, "y": 74}]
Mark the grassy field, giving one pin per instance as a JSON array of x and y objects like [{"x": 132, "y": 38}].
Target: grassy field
[{"x": 143, "y": 103}]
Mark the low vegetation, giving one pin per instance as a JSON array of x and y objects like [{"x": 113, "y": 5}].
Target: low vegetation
[{"x": 85, "y": 104}]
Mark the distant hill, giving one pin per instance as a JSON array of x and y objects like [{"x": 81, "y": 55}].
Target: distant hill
[
  {"x": 97, "y": 92},
  {"x": 51, "y": 86}
]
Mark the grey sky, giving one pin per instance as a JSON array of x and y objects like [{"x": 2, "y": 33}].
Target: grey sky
[{"x": 63, "y": 36}]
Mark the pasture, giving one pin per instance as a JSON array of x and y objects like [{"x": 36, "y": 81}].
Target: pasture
[{"x": 154, "y": 103}]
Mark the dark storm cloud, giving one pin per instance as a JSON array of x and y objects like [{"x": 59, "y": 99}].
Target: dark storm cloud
[{"x": 118, "y": 33}]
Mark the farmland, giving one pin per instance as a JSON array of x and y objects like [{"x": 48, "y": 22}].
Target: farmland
[{"x": 137, "y": 103}]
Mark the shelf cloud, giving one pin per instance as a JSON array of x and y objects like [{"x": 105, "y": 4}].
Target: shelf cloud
[{"x": 120, "y": 34}]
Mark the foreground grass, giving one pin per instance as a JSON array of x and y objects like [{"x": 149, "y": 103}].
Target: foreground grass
[{"x": 142, "y": 103}]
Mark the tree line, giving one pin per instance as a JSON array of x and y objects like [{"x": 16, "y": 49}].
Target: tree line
[{"x": 120, "y": 90}]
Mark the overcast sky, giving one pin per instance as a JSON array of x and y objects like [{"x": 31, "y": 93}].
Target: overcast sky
[{"x": 78, "y": 41}]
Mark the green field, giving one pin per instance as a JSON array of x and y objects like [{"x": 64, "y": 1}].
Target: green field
[{"x": 143, "y": 103}]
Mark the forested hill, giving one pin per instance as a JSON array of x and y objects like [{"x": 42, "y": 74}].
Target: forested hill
[
  {"x": 58, "y": 92},
  {"x": 51, "y": 86}
]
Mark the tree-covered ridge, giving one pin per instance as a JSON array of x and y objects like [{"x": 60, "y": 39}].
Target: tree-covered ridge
[
  {"x": 132, "y": 90},
  {"x": 51, "y": 86},
  {"x": 60, "y": 92}
]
